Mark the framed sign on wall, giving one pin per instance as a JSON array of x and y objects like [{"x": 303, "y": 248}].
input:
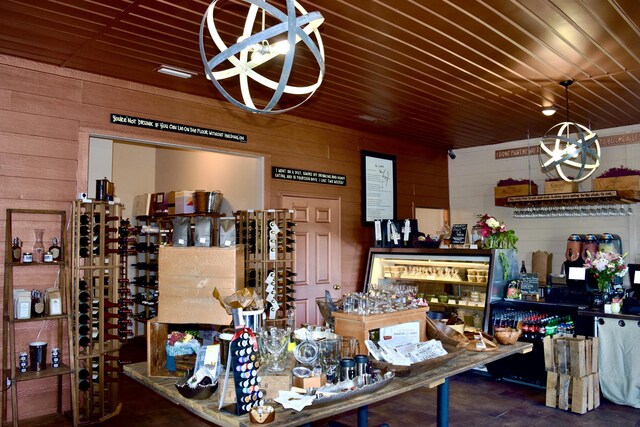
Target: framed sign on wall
[{"x": 378, "y": 186}]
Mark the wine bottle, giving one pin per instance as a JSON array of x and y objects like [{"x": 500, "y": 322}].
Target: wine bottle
[
  {"x": 84, "y": 252},
  {"x": 84, "y": 319},
  {"x": 84, "y": 341},
  {"x": 85, "y": 219},
  {"x": 523, "y": 269},
  {"x": 83, "y": 285},
  {"x": 85, "y": 230},
  {"x": 107, "y": 218},
  {"x": 84, "y": 296},
  {"x": 56, "y": 251}
]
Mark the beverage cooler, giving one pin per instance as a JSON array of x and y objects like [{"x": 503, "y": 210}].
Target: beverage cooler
[
  {"x": 460, "y": 281},
  {"x": 537, "y": 320}
]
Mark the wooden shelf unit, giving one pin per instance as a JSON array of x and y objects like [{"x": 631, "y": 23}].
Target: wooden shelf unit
[
  {"x": 13, "y": 326},
  {"x": 98, "y": 273},
  {"x": 267, "y": 252}
]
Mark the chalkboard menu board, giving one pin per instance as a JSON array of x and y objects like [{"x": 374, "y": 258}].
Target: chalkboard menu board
[
  {"x": 459, "y": 234},
  {"x": 529, "y": 283}
]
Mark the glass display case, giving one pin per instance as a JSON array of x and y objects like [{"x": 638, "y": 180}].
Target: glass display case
[{"x": 464, "y": 281}]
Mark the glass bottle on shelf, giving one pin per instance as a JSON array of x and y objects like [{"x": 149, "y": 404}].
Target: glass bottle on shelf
[
  {"x": 55, "y": 249},
  {"x": 16, "y": 250},
  {"x": 38, "y": 246}
]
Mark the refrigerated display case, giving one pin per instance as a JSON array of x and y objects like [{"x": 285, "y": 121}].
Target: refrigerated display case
[{"x": 464, "y": 281}]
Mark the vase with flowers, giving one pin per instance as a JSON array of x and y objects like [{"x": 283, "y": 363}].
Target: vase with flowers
[
  {"x": 604, "y": 267},
  {"x": 496, "y": 235}
]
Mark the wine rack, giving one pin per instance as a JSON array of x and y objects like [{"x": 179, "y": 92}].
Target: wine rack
[
  {"x": 152, "y": 233},
  {"x": 100, "y": 248},
  {"x": 269, "y": 247},
  {"x": 17, "y": 327}
]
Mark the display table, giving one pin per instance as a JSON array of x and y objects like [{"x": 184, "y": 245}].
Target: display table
[{"x": 435, "y": 377}]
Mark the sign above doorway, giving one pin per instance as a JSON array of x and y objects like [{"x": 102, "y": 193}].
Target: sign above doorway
[{"x": 176, "y": 127}]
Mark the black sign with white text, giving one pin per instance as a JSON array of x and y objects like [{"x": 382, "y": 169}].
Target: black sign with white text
[
  {"x": 308, "y": 176},
  {"x": 459, "y": 234},
  {"x": 176, "y": 127}
]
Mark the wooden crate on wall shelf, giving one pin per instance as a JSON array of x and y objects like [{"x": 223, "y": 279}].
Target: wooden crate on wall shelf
[
  {"x": 626, "y": 186},
  {"x": 502, "y": 192},
  {"x": 559, "y": 187}
]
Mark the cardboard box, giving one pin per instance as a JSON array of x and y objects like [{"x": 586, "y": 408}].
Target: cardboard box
[
  {"x": 159, "y": 203},
  {"x": 181, "y": 202},
  {"x": 558, "y": 187},
  {"x": 141, "y": 205},
  {"x": 501, "y": 193},
  {"x": 187, "y": 277}
]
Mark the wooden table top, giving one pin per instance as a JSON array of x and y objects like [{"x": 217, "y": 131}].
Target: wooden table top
[{"x": 208, "y": 409}]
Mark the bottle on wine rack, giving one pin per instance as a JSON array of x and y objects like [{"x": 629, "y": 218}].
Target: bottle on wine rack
[
  {"x": 85, "y": 219},
  {"x": 286, "y": 272},
  {"x": 83, "y": 285},
  {"x": 84, "y": 341},
  {"x": 84, "y": 296},
  {"x": 85, "y": 230}
]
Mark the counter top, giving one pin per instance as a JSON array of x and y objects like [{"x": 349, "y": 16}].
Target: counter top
[{"x": 599, "y": 313}]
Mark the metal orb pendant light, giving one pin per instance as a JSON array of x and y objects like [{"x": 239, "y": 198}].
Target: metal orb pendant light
[
  {"x": 569, "y": 148},
  {"x": 251, "y": 50}
]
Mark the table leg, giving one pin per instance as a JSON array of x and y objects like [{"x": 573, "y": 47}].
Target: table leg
[
  {"x": 363, "y": 416},
  {"x": 443, "y": 404}
]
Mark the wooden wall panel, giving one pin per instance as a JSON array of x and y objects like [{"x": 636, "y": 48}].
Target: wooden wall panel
[{"x": 47, "y": 115}]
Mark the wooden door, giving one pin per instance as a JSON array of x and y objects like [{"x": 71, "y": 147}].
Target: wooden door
[{"x": 317, "y": 253}]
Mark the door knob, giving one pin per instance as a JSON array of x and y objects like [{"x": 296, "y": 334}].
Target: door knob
[{"x": 337, "y": 287}]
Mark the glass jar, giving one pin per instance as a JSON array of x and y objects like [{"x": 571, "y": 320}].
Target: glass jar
[
  {"x": 38, "y": 246},
  {"x": 476, "y": 236}
]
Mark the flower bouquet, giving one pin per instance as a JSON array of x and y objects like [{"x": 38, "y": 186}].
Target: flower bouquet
[
  {"x": 605, "y": 267},
  {"x": 495, "y": 233},
  {"x": 497, "y": 236}
]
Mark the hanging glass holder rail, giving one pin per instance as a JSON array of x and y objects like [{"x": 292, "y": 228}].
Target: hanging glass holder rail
[{"x": 587, "y": 203}]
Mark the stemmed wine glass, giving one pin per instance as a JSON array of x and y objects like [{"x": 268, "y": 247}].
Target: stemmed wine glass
[{"x": 275, "y": 341}]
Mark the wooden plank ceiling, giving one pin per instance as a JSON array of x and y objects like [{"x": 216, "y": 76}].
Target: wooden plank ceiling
[{"x": 455, "y": 73}]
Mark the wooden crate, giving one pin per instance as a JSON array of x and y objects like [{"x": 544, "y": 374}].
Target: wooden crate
[
  {"x": 558, "y": 187},
  {"x": 157, "y": 333},
  {"x": 576, "y": 357},
  {"x": 573, "y": 380},
  {"x": 578, "y": 394},
  {"x": 270, "y": 382},
  {"x": 626, "y": 186},
  {"x": 502, "y": 192},
  {"x": 358, "y": 326},
  {"x": 187, "y": 277}
]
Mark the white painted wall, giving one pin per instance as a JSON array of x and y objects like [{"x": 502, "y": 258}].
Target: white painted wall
[
  {"x": 134, "y": 172},
  {"x": 475, "y": 172},
  {"x": 100, "y": 163},
  {"x": 239, "y": 178}
]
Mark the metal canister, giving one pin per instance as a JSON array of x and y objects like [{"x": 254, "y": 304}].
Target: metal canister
[
  {"x": 55, "y": 357},
  {"x": 361, "y": 361},
  {"x": 347, "y": 369},
  {"x": 23, "y": 361}
]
